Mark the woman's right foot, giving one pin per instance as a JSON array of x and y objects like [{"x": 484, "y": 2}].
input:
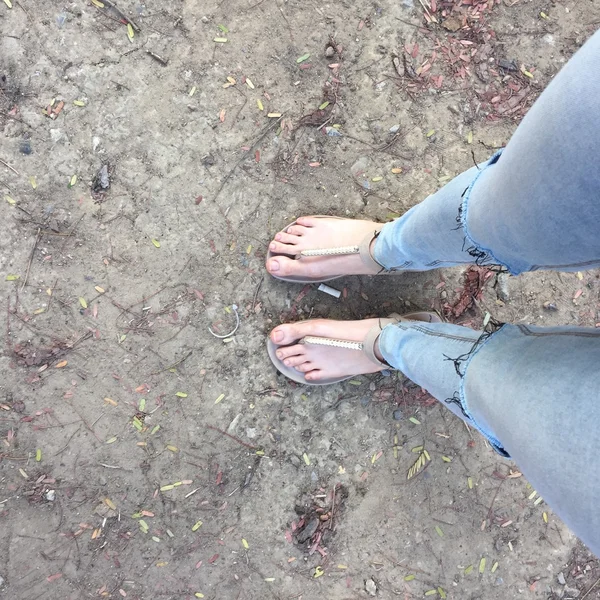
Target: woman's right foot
[{"x": 311, "y": 233}]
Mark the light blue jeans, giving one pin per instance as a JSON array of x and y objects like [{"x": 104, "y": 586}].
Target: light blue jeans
[{"x": 533, "y": 392}]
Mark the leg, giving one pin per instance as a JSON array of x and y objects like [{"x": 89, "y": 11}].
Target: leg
[
  {"x": 534, "y": 207},
  {"x": 532, "y": 391}
]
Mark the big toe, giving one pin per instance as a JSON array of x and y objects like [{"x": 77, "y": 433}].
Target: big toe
[
  {"x": 283, "y": 335},
  {"x": 281, "y": 266}
]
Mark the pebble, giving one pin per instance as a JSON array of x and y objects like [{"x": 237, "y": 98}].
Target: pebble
[
  {"x": 364, "y": 401},
  {"x": 329, "y": 52},
  {"x": 2, "y": 581},
  {"x": 395, "y": 129},
  {"x": 561, "y": 578},
  {"x": 50, "y": 495},
  {"x": 398, "y": 416},
  {"x": 370, "y": 587},
  {"x": 386, "y": 373}
]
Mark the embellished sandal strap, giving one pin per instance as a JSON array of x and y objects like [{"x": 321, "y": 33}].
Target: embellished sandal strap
[{"x": 364, "y": 249}]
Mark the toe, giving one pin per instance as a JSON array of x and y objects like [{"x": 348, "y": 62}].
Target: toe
[
  {"x": 284, "y": 335},
  {"x": 313, "y": 375},
  {"x": 282, "y": 266},
  {"x": 279, "y": 248},
  {"x": 307, "y": 221},
  {"x": 295, "y": 361},
  {"x": 288, "y": 352},
  {"x": 304, "y": 367},
  {"x": 287, "y": 238}
]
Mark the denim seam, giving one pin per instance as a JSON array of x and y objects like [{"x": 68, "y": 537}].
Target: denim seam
[
  {"x": 465, "y": 208},
  {"x": 421, "y": 329},
  {"x": 528, "y": 332},
  {"x": 496, "y": 444}
]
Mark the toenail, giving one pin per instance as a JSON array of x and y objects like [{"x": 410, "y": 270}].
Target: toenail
[
  {"x": 280, "y": 355},
  {"x": 286, "y": 362},
  {"x": 273, "y": 246},
  {"x": 278, "y": 337},
  {"x": 273, "y": 266},
  {"x": 278, "y": 236}
]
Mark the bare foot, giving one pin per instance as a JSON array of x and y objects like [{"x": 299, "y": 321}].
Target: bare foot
[
  {"x": 325, "y": 362},
  {"x": 312, "y": 233}
]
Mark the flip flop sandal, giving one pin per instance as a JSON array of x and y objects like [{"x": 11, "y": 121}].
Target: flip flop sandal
[
  {"x": 367, "y": 346},
  {"x": 361, "y": 249}
]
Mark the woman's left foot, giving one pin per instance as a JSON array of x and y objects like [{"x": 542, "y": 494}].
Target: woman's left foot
[{"x": 323, "y": 362}]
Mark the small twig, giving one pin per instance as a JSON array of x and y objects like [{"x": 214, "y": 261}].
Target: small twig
[
  {"x": 37, "y": 239},
  {"x": 51, "y": 295},
  {"x": 232, "y": 437},
  {"x": 256, "y": 292},
  {"x": 173, "y": 365},
  {"x": 114, "y": 467},
  {"x": 160, "y": 59},
  {"x": 588, "y": 592},
  {"x": 68, "y": 441},
  {"x": 11, "y": 168},
  {"x": 122, "y": 15}
]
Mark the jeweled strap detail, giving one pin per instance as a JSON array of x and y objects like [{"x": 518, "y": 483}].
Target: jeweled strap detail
[
  {"x": 342, "y": 250},
  {"x": 320, "y": 341}
]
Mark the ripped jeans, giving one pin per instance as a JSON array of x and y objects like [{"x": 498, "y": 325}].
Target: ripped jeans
[{"x": 533, "y": 392}]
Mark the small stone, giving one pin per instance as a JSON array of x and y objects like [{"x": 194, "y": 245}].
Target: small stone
[
  {"x": 561, "y": 578},
  {"x": 386, "y": 373},
  {"x": 2, "y": 581},
  {"x": 251, "y": 432},
  {"x": 364, "y": 401},
  {"x": 394, "y": 129},
  {"x": 204, "y": 19},
  {"x": 398, "y": 416},
  {"x": 50, "y": 495},
  {"x": 372, "y": 386},
  {"x": 329, "y": 51},
  {"x": 550, "y": 306},
  {"x": 370, "y": 587}
]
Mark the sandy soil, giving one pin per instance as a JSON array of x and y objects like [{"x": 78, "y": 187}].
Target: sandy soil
[{"x": 144, "y": 458}]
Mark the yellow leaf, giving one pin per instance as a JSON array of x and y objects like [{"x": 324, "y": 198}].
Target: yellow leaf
[
  {"x": 274, "y": 115},
  {"x": 231, "y": 80},
  {"x": 470, "y": 137},
  {"x": 482, "y": 565},
  {"x": 130, "y": 32},
  {"x": 199, "y": 595},
  {"x": 196, "y": 525},
  {"x": 98, "y": 3},
  {"x": 526, "y": 72},
  {"x": 172, "y": 448},
  {"x": 249, "y": 83},
  {"x": 181, "y": 395},
  {"x": 342, "y": 567},
  {"x": 260, "y": 104},
  {"x": 376, "y": 179},
  {"x": 110, "y": 503},
  {"x": 156, "y": 243},
  {"x": 318, "y": 572},
  {"x": 83, "y": 302},
  {"x": 269, "y": 579},
  {"x": 193, "y": 91},
  {"x": 545, "y": 515},
  {"x": 110, "y": 401},
  {"x": 245, "y": 544},
  {"x": 470, "y": 482},
  {"x": 39, "y": 311},
  {"x": 430, "y": 133},
  {"x": 112, "y": 440},
  {"x": 12, "y": 277},
  {"x": 409, "y": 577},
  {"x": 496, "y": 565},
  {"x": 78, "y": 102},
  {"x": 38, "y": 456},
  {"x": 33, "y": 182},
  {"x": 306, "y": 459},
  {"x": 61, "y": 364},
  {"x": 396, "y": 170},
  {"x": 99, "y": 289},
  {"x": 23, "y": 474},
  {"x": 10, "y": 200},
  {"x": 220, "y": 40},
  {"x": 8, "y": 3},
  {"x": 219, "y": 398},
  {"x": 249, "y": 249}
]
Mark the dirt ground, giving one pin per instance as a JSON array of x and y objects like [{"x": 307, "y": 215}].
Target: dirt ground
[{"x": 143, "y": 457}]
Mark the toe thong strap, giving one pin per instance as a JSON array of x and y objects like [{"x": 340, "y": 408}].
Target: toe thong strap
[{"x": 364, "y": 249}]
